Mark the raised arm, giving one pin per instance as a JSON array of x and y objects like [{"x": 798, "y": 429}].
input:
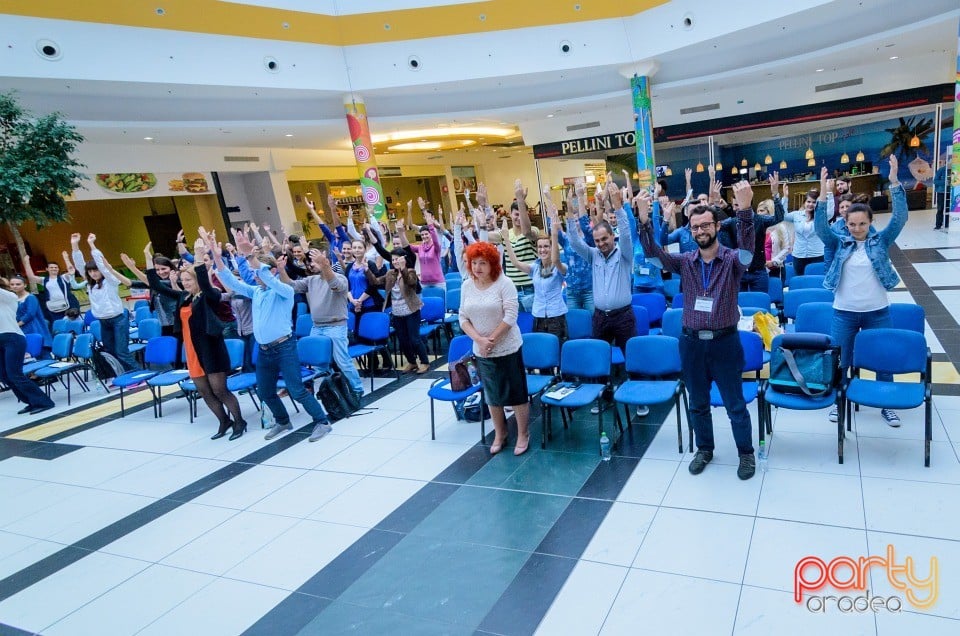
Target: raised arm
[
  {"x": 75, "y": 252},
  {"x": 508, "y": 246},
  {"x": 576, "y": 241},
  {"x": 668, "y": 261},
  {"x": 526, "y": 228},
  {"x": 131, "y": 264},
  {"x": 898, "y": 200},
  {"x": 820, "y": 223},
  {"x": 746, "y": 232},
  {"x": 553, "y": 215}
]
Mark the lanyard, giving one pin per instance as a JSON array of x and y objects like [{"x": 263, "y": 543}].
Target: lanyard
[{"x": 705, "y": 273}]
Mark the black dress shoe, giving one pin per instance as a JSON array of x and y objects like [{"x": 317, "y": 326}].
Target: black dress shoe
[
  {"x": 238, "y": 429},
  {"x": 40, "y": 409},
  {"x": 25, "y": 409},
  {"x": 222, "y": 431}
]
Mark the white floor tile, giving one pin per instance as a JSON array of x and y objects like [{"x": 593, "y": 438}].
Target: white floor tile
[
  {"x": 170, "y": 532},
  {"x": 920, "y": 550},
  {"x": 305, "y": 494},
  {"x": 912, "y": 507},
  {"x": 25, "y": 497},
  {"x": 422, "y": 460},
  {"x": 366, "y": 421},
  {"x": 30, "y": 551},
  {"x": 133, "y": 604},
  {"x": 620, "y": 534},
  {"x": 368, "y": 502},
  {"x": 762, "y": 612},
  {"x": 951, "y": 300},
  {"x": 913, "y": 623},
  {"x": 777, "y": 546},
  {"x": 661, "y": 604},
  {"x": 83, "y": 467},
  {"x": 365, "y": 456},
  {"x": 815, "y": 422},
  {"x": 571, "y": 612},
  {"x": 702, "y": 544},
  {"x": 244, "y": 604},
  {"x": 798, "y": 496},
  {"x": 950, "y": 419},
  {"x": 869, "y": 423},
  {"x": 903, "y": 459},
  {"x": 649, "y": 481},
  {"x": 812, "y": 453},
  {"x": 717, "y": 489},
  {"x": 162, "y": 476},
  {"x": 56, "y": 596},
  {"x": 311, "y": 455},
  {"x": 939, "y": 274},
  {"x": 229, "y": 543},
  {"x": 248, "y": 488},
  {"x": 291, "y": 559}
]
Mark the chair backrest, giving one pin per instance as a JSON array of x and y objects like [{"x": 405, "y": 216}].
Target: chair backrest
[
  {"x": 671, "y": 287},
  {"x": 793, "y": 298},
  {"x": 149, "y": 328},
  {"x": 525, "y": 322},
  {"x": 655, "y": 303},
  {"x": 449, "y": 276},
  {"x": 752, "y": 345},
  {"x": 815, "y": 269},
  {"x": 316, "y": 352},
  {"x": 88, "y": 318},
  {"x": 302, "y": 308},
  {"x": 760, "y": 300},
  {"x": 672, "y": 323},
  {"x": 653, "y": 356},
  {"x": 304, "y": 325},
  {"x": 586, "y": 358},
  {"x": 907, "y": 316},
  {"x": 433, "y": 292},
  {"x": 459, "y": 347},
  {"x": 432, "y": 309},
  {"x": 374, "y": 326},
  {"x": 642, "y": 318},
  {"x": 789, "y": 271},
  {"x": 95, "y": 330},
  {"x": 235, "y": 349},
  {"x": 62, "y": 345},
  {"x": 807, "y": 281},
  {"x": 75, "y": 326},
  {"x": 454, "y": 284},
  {"x": 161, "y": 351},
  {"x": 775, "y": 290},
  {"x": 60, "y": 326},
  {"x": 814, "y": 318},
  {"x": 453, "y": 298},
  {"x": 541, "y": 351},
  {"x": 890, "y": 351},
  {"x": 351, "y": 321},
  {"x": 141, "y": 303},
  {"x": 83, "y": 347},
  {"x": 34, "y": 343},
  {"x": 142, "y": 313},
  {"x": 579, "y": 324},
  {"x": 677, "y": 302}
]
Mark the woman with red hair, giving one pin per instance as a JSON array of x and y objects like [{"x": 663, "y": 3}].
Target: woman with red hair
[{"x": 488, "y": 314}]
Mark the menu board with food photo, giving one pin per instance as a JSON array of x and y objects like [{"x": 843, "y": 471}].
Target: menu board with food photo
[{"x": 108, "y": 185}]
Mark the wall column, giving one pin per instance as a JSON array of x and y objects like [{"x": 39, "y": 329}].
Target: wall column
[
  {"x": 359, "y": 125},
  {"x": 640, "y": 75}
]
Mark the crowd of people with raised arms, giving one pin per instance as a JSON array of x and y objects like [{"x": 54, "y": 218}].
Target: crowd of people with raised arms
[{"x": 593, "y": 253}]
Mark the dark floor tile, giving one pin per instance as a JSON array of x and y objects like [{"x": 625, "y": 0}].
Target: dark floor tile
[
  {"x": 128, "y": 524},
  {"x": 417, "y": 508},
  {"x": 499, "y": 468},
  {"x": 344, "y": 618},
  {"x": 552, "y": 472},
  {"x": 10, "y": 630},
  {"x": 637, "y": 439},
  {"x": 290, "y": 616},
  {"x": 466, "y": 466},
  {"x": 208, "y": 482},
  {"x": 572, "y": 532},
  {"x": 492, "y": 517},
  {"x": 46, "y": 450},
  {"x": 946, "y": 389},
  {"x": 608, "y": 479},
  {"x": 524, "y": 604},
  {"x": 351, "y": 564},
  {"x": 40, "y": 570}
]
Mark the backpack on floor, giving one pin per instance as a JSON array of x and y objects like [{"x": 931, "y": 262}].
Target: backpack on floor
[
  {"x": 105, "y": 365},
  {"x": 469, "y": 409},
  {"x": 334, "y": 402}
]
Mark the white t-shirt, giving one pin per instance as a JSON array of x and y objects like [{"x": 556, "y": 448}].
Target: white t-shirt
[
  {"x": 8, "y": 313},
  {"x": 859, "y": 289}
]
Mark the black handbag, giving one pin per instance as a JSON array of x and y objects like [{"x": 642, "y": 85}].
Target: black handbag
[
  {"x": 463, "y": 373},
  {"x": 805, "y": 364}
]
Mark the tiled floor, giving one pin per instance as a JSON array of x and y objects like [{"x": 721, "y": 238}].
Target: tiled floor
[{"x": 145, "y": 526}]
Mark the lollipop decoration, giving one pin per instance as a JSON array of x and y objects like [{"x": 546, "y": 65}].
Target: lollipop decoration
[{"x": 359, "y": 126}]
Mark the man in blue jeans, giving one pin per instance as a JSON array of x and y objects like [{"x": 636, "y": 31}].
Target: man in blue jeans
[{"x": 272, "y": 308}]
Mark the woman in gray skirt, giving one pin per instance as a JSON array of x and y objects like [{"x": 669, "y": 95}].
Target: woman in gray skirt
[{"x": 488, "y": 314}]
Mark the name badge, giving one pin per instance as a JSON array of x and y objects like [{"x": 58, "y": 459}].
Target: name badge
[
  {"x": 644, "y": 271},
  {"x": 703, "y": 303}
]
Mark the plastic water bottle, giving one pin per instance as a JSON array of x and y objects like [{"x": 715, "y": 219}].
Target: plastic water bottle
[
  {"x": 604, "y": 447},
  {"x": 266, "y": 417},
  {"x": 762, "y": 456}
]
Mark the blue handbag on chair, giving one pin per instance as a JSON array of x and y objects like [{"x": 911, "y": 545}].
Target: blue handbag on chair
[{"x": 805, "y": 364}]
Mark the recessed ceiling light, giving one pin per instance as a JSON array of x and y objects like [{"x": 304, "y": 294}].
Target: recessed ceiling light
[
  {"x": 894, "y": 57},
  {"x": 819, "y": 70},
  {"x": 148, "y": 138},
  {"x": 288, "y": 135},
  {"x": 550, "y": 115}
]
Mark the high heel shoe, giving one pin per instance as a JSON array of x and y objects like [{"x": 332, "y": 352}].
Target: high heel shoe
[
  {"x": 496, "y": 447},
  {"x": 522, "y": 445},
  {"x": 238, "y": 429},
  {"x": 224, "y": 425}
]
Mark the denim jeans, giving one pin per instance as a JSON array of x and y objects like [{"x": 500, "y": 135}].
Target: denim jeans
[
  {"x": 720, "y": 361},
  {"x": 758, "y": 281},
  {"x": 14, "y": 346},
  {"x": 115, "y": 335},
  {"x": 282, "y": 358},
  {"x": 525, "y": 298},
  {"x": 580, "y": 299},
  {"x": 846, "y": 324},
  {"x": 341, "y": 354},
  {"x": 408, "y": 335}
]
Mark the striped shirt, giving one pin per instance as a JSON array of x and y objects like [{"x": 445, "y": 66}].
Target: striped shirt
[{"x": 526, "y": 252}]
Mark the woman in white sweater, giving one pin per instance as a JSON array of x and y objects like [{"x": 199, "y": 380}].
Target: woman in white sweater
[
  {"x": 13, "y": 346},
  {"x": 488, "y": 314},
  {"x": 807, "y": 246}
]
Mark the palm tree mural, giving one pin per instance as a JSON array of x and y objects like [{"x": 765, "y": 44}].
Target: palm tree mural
[{"x": 901, "y": 136}]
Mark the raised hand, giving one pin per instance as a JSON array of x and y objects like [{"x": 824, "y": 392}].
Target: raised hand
[
  {"x": 505, "y": 228},
  {"x": 613, "y": 192},
  {"x": 580, "y": 188},
  {"x": 774, "y": 183},
  {"x": 643, "y": 201},
  {"x": 266, "y": 228},
  {"x": 743, "y": 193},
  {"x": 129, "y": 262},
  {"x": 688, "y": 174},
  {"x": 180, "y": 236},
  {"x": 332, "y": 204},
  {"x": 199, "y": 246},
  {"x": 461, "y": 219},
  {"x": 894, "y": 170},
  {"x": 519, "y": 191},
  {"x": 712, "y": 173},
  {"x": 91, "y": 239},
  {"x": 482, "y": 194},
  {"x": 428, "y": 218},
  {"x": 715, "y": 191},
  {"x": 147, "y": 249},
  {"x": 824, "y": 183},
  {"x": 669, "y": 209},
  {"x": 244, "y": 246},
  {"x": 421, "y": 203},
  {"x": 282, "y": 262}
]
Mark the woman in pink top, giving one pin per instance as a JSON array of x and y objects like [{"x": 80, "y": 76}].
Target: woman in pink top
[{"x": 428, "y": 251}]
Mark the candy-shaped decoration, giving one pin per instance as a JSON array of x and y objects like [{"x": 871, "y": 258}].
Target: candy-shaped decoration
[{"x": 359, "y": 127}]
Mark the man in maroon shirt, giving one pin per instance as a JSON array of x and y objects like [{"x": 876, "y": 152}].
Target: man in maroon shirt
[{"x": 710, "y": 349}]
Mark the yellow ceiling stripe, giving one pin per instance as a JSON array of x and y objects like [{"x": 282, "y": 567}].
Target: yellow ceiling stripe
[{"x": 224, "y": 18}]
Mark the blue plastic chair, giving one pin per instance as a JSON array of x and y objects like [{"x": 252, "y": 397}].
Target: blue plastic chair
[
  {"x": 807, "y": 281},
  {"x": 305, "y": 324},
  {"x": 541, "y": 352},
  {"x": 142, "y": 313},
  {"x": 35, "y": 348},
  {"x": 433, "y": 292},
  {"x": 82, "y": 354},
  {"x": 671, "y": 287},
  {"x": 161, "y": 351},
  {"x": 63, "y": 364},
  {"x": 141, "y": 303},
  {"x": 525, "y": 322},
  {"x": 167, "y": 378},
  {"x": 452, "y": 317},
  {"x": 60, "y": 326},
  {"x": 789, "y": 271},
  {"x": 893, "y": 351},
  {"x": 585, "y": 364},
  {"x": 432, "y": 314},
  {"x": 760, "y": 300},
  {"x": 579, "y": 324},
  {"x": 775, "y": 291},
  {"x": 672, "y": 323},
  {"x": 643, "y": 319},
  {"x": 814, "y": 318},
  {"x": 235, "y": 348},
  {"x": 302, "y": 308},
  {"x": 799, "y": 402},
  {"x": 815, "y": 269},
  {"x": 794, "y": 298},
  {"x": 907, "y": 316},
  {"x": 95, "y": 330},
  {"x": 452, "y": 276},
  {"x": 677, "y": 302},
  {"x": 653, "y": 366},
  {"x": 240, "y": 383},
  {"x": 440, "y": 389},
  {"x": 753, "y": 360},
  {"x": 655, "y": 304},
  {"x": 148, "y": 329},
  {"x": 374, "y": 330}
]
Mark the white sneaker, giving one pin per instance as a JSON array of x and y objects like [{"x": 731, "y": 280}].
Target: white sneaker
[
  {"x": 643, "y": 411},
  {"x": 595, "y": 410},
  {"x": 890, "y": 417},
  {"x": 833, "y": 416}
]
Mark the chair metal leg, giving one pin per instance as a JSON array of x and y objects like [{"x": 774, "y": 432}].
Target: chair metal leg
[
  {"x": 928, "y": 428},
  {"x": 599, "y": 425},
  {"x": 676, "y": 405},
  {"x": 122, "y": 410},
  {"x": 483, "y": 420},
  {"x": 842, "y": 414},
  {"x": 433, "y": 430},
  {"x": 543, "y": 426}
]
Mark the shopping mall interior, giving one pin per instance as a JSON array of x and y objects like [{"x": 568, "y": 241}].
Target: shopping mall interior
[{"x": 231, "y": 113}]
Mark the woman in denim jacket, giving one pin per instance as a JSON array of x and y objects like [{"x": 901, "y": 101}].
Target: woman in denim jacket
[{"x": 860, "y": 273}]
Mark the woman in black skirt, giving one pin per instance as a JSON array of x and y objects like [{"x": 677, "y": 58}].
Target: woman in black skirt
[
  {"x": 488, "y": 314},
  {"x": 196, "y": 321}
]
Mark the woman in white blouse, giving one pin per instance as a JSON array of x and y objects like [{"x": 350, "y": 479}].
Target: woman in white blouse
[
  {"x": 103, "y": 283},
  {"x": 807, "y": 246},
  {"x": 13, "y": 346},
  {"x": 488, "y": 314}
]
